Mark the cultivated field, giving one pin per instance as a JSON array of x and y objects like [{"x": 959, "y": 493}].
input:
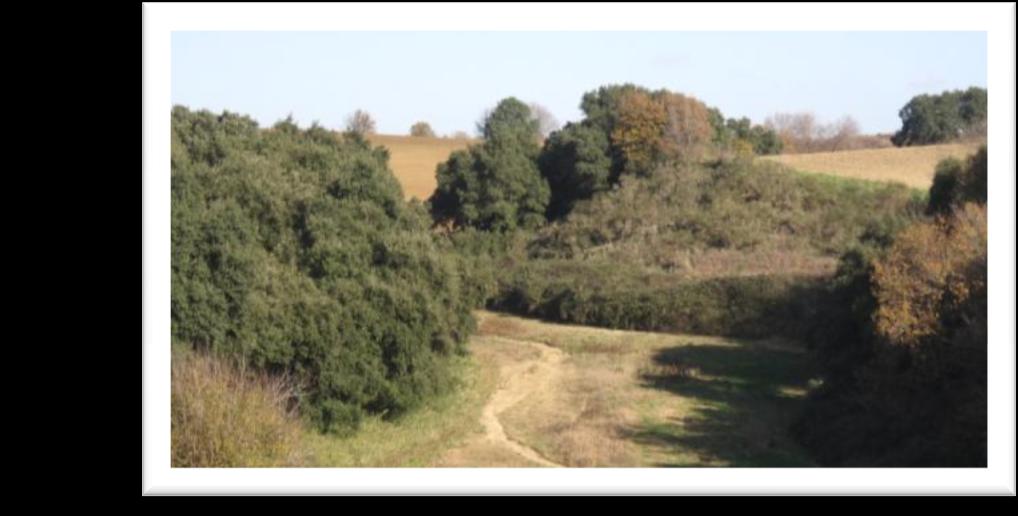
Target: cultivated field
[
  {"x": 539, "y": 394},
  {"x": 413, "y": 160},
  {"x": 912, "y": 166}
]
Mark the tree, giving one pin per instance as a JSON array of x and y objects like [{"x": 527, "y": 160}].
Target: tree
[
  {"x": 576, "y": 163},
  {"x": 928, "y": 119},
  {"x": 422, "y": 129},
  {"x": 795, "y": 129},
  {"x": 638, "y": 131},
  {"x": 360, "y": 122},
  {"x": 546, "y": 122},
  {"x": 495, "y": 185},
  {"x": 802, "y": 132},
  {"x": 842, "y": 133},
  {"x": 688, "y": 129}
]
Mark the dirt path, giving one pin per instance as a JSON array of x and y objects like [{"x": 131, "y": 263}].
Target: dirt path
[{"x": 516, "y": 383}]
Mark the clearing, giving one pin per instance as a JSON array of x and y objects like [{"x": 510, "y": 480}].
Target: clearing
[{"x": 538, "y": 394}]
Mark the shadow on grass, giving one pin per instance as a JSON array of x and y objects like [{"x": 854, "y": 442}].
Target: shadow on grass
[{"x": 745, "y": 397}]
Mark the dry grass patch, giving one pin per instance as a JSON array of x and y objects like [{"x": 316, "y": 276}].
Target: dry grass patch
[
  {"x": 223, "y": 415},
  {"x": 640, "y": 399},
  {"x": 913, "y": 166}
]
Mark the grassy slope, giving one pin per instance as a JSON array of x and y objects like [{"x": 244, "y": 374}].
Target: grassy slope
[
  {"x": 413, "y": 160},
  {"x": 913, "y": 166},
  {"x": 619, "y": 399}
]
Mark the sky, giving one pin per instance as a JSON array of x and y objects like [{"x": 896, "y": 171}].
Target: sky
[{"x": 449, "y": 79}]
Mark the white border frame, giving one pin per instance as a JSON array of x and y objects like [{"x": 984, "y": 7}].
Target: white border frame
[{"x": 159, "y": 20}]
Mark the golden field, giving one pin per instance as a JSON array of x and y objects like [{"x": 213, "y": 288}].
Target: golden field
[
  {"x": 413, "y": 159},
  {"x": 913, "y": 166}
]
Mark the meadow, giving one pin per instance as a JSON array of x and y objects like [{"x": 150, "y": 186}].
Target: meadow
[{"x": 540, "y": 394}]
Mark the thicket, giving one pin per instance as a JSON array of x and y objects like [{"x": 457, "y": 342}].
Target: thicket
[
  {"x": 902, "y": 346},
  {"x": 629, "y": 130},
  {"x": 619, "y": 259},
  {"x": 294, "y": 251},
  {"x": 734, "y": 205}
]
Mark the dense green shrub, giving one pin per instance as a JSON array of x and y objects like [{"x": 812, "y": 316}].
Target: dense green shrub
[
  {"x": 951, "y": 115},
  {"x": 727, "y": 134},
  {"x": 604, "y": 294},
  {"x": 495, "y": 185},
  {"x": 957, "y": 182},
  {"x": 295, "y": 250}
]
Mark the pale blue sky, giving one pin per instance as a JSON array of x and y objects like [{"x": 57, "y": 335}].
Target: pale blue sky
[{"x": 449, "y": 78}]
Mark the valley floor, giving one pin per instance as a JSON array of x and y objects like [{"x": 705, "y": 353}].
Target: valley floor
[{"x": 536, "y": 394}]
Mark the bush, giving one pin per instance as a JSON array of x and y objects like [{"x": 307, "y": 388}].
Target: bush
[
  {"x": 495, "y": 186},
  {"x": 957, "y": 182},
  {"x": 294, "y": 250},
  {"x": 952, "y": 115},
  {"x": 223, "y": 415}
]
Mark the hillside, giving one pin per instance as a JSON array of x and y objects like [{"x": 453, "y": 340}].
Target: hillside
[
  {"x": 413, "y": 160},
  {"x": 912, "y": 166}
]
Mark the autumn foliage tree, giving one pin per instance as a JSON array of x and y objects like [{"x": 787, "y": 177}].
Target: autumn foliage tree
[
  {"x": 659, "y": 126},
  {"x": 627, "y": 129},
  {"x": 639, "y": 130}
]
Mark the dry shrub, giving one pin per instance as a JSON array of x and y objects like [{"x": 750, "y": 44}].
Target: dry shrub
[
  {"x": 925, "y": 275},
  {"x": 223, "y": 415}
]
